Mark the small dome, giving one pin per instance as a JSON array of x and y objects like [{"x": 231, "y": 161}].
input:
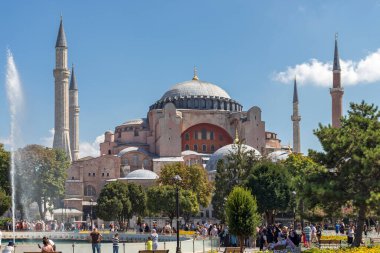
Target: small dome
[
  {"x": 279, "y": 155},
  {"x": 130, "y": 149},
  {"x": 142, "y": 174},
  {"x": 195, "y": 88},
  {"x": 226, "y": 150}
]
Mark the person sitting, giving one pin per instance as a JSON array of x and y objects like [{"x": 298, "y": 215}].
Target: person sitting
[
  {"x": 46, "y": 246},
  {"x": 10, "y": 248}
]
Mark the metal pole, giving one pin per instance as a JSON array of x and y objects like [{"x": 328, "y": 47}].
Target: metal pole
[
  {"x": 193, "y": 245},
  {"x": 203, "y": 245},
  {"x": 73, "y": 247},
  {"x": 177, "y": 203},
  {"x": 123, "y": 247}
]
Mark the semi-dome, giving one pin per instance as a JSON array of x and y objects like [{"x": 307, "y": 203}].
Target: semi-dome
[
  {"x": 197, "y": 94},
  {"x": 225, "y": 151},
  {"x": 142, "y": 174},
  {"x": 195, "y": 88},
  {"x": 279, "y": 155}
]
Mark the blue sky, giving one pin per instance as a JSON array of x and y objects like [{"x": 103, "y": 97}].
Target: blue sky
[{"x": 128, "y": 53}]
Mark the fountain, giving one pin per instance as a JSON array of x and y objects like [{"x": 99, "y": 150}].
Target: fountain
[{"x": 15, "y": 100}]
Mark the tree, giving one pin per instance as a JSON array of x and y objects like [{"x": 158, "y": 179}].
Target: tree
[
  {"x": 138, "y": 198},
  {"x": 162, "y": 200},
  {"x": 231, "y": 171},
  {"x": 5, "y": 202},
  {"x": 194, "y": 178},
  {"x": 114, "y": 202},
  {"x": 40, "y": 176},
  {"x": 270, "y": 183},
  {"x": 241, "y": 214},
  {"x": 5, "y": 170},
  {"x": 350, "y": 157}
]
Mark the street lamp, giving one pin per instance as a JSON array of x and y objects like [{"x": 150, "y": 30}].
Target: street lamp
[
  {"x": 91, "y": 213},
  {"x": 294, "y": 210},
  {"x": 177, "y": 179}
]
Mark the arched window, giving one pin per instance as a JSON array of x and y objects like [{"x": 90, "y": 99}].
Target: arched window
[
  {"x": 211, "y": 135},
  {"x": 146, "y": 163},
  {"x": 195, "y": 147},
  {"x": 136, "y": 132},
  {"x": 187, "y": 147},
  {"x": 89, "y": 190},
  {"x": 204, "y": 148},
  {"x": 135, "y": 160},
  {"x": 212, "y": 148},
  {"x": 125, "y": 162},
  {"x": 204, "y": 134},
  {"x": 109, "y": 151},
  {"x": 187, "y": 136},
  {"x": 195, "y": 135}
]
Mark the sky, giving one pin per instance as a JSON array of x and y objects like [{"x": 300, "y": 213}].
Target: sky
[{"x": 128, "y": 53}]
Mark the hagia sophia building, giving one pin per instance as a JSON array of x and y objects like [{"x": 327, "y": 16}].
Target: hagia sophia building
[{"x": 194, "y": 122}]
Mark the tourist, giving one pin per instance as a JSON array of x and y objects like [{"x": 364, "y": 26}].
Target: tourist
[
  {"x": 350, "y": 235},
  {"x": 10, "y": 248},
  {"x": 313, "y": 233},
  {"x": 115, "y": 243},
  {"x": 149, "y": 244},
  {"x": 294, "y": 237},
  {"x": 154, "y": 239},
  {"x": 307, "y": 231},
  {"x": 50, "y": 242},
  {"x": 337, "y": 228},
  {"x": 263, "y": 238},
  {"x": 319, "y": 233},
  {"x": 96, "y": 238},
  {"x": 46, "y": 246}
]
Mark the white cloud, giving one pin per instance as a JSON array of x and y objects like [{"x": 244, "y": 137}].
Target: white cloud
[
  {"x": 48, "y": 141},
  {"x": 91, "y": 149},
  {"x": 85, "y": 148},
  {"x": 315, "y": 72}
]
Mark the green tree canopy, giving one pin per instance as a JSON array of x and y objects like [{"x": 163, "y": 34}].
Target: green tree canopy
[
  {"x": 270, "y": 183},
  {"x": 138, "y": 199},
  {"x": 241, "y": 214},
  {"x": 5, "y": 168},
  {"x": 194, "y": 178},
  {"x": 162, "y": 200},
  {"x": 114, "y": 202},
  {"x": 5, "y": 202},
  {"x": 231, "y": 171},
  {"x": 40, "y": 176},
  {"x": 350, "y": 157}
]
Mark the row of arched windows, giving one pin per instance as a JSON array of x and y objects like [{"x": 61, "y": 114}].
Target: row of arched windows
[{"x": 204, "y": 148}]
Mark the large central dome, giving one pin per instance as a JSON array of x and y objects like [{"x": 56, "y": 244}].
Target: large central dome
[
  {"x": 195, "y": 88},
  {"x": 199, "y": 95}
]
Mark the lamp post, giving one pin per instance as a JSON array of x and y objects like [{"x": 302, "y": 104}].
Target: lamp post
[
  {"x": 177, "y": 179},
  {"x": 294, "y": 211},
  {"x": 91, "y": 213}
]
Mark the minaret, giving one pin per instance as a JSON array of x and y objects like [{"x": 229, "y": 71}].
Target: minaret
[
  {"x": 336, "y": 91},
  {"x": 61, "y": 76},
  {"x": 296, "y": 118},
  {"x": 74, "y": 116}
]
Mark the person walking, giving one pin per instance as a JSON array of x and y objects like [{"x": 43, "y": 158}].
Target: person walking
[
  {"x": 115, "y": 243},
  {"x": 307, "y": 231},
  {"x": 319, "y": 234},
  {"x": 154, "y": 236},
  {"x": 96, "y": 238},
  {"x": 10, "y": 248},
  {"x": 350, "y": 235}
]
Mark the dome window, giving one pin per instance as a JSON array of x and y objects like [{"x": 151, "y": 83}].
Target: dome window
[{"x": 195, "y": 147}]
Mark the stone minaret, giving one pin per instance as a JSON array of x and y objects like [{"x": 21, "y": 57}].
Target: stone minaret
[
  {"x": 296, "y": 118},
  {"x": 61, "y": 76},
  {"x": 74, "y": 117},
  {"x": 336, "y": 91}
]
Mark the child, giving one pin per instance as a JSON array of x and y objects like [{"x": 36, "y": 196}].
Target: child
[
  {"x": 149, "y": 244},
  {"x": 115, "y": 243}
]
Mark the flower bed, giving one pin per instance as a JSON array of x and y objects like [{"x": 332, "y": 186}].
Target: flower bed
[
  {"x": 346, "y": 250},
  {"x": 334, "y": 237}
]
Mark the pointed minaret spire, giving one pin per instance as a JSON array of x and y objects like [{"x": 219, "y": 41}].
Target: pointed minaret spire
[
  {"x": 236, "y": 141},
  {"x": 336, "y": 91},
  {"x": 195, "y": 77},
  {"x": 73, "y": 81},
  {"x": 296, "y": 118},
  {"x": 336, "y": 55},
  {"x": 74, "y": 116},
  {"x": 61, "y": 38},
  {"x": 295, "y": 93}
]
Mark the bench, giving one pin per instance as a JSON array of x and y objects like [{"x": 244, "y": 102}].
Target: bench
[
  {"x": 154, "y": 251},
  {"x": 232, "y": 250},
  {"x": 330, "y": 243},
  {"x": 374, "y": 241}
]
